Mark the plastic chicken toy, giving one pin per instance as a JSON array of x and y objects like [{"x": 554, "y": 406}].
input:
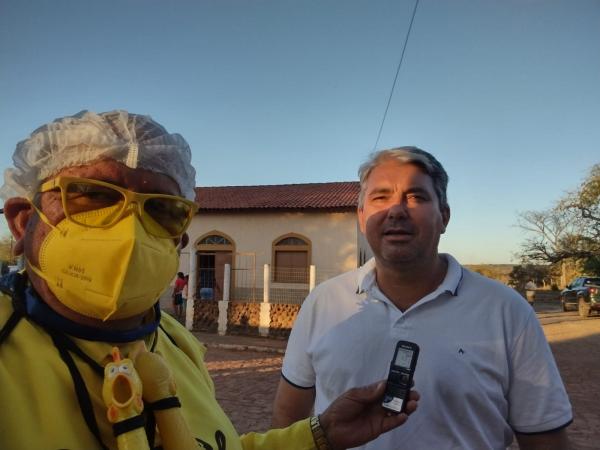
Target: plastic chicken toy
[
  {"x": 150, "y": 379},
  {"x": 122, "y": 394}
]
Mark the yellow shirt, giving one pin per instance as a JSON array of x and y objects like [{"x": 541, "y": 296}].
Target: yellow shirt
[{"x": 40, "y": 408}]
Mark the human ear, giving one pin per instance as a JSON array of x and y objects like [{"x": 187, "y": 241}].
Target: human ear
[
  {"x": 445, "y": 217},
  {"x": 182, "y": 242},
  {"x": 18, "y": 211}
]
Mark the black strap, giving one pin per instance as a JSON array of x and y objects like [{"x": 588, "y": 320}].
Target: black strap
[
  {"x": 69, "y": 345},
  {"x": 14, "y": 281},
  {"x": 127, "y": 425},
  {"x": 154, "y": 341},
  {"x": 150, "y": 425},
  {"x": 168, "y": 335},
  {"x": 149, "y": 408},
  {"x": 83, "y": 396},
  {"x": 164, "y": 403},
  {"x": 14, "y": 285},
  {"x": 66, "y": 345},
  {"x": 10, "y": 324}
]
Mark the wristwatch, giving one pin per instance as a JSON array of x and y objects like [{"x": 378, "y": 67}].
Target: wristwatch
[{"x": 318, "y": 433}]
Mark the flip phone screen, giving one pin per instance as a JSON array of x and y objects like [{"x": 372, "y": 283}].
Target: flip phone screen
[{"x": 400, "y": 377}]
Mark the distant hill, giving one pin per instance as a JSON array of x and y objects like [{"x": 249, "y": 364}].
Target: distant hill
[{"x": 498, "y": 272}]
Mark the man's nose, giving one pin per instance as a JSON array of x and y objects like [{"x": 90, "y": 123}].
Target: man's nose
[{"x": 398, "y": 210}]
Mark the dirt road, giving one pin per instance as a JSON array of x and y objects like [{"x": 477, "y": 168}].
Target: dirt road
[
  {"x": 575, "y": 343},
  {"x": 246, "y": 381}
]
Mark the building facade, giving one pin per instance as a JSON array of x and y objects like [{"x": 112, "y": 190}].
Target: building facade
[{"x": 287, "y": 227}]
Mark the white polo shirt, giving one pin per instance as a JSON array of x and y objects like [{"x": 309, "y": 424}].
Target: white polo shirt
[{"x": 484, "y": 369}]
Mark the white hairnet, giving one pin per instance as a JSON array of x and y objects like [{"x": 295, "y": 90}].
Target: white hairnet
[{"x": 134, "y": 140}]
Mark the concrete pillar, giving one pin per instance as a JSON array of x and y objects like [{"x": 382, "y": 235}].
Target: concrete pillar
[
  {"x": 312, "y": 277},
  {"x": 224, "y": 304},
  {"x": 226, "y": 282},
  {"x": 222, "y": 321},
  {"x": 265, "y": 319},
  {"x": 266, "y": 283},
  {"x": 190, "y": 302},
  {"x": 265, "y": 306}
]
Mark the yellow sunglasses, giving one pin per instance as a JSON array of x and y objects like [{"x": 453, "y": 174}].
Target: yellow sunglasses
[{"x": 79, "y": 195}]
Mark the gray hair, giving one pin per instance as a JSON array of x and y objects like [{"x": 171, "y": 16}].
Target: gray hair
[{"x": 406, "y": 155}]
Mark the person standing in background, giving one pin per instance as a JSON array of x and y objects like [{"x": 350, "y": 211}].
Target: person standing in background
[
  {"x": 530, "y": 288},
  {"x": 184, "y": 294},
  {"x": 178, "y": 295}
]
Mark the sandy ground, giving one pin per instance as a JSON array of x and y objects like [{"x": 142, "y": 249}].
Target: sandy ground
[
  {"x": 246, "y": 381},
  {"x": 575, "y": 343}
]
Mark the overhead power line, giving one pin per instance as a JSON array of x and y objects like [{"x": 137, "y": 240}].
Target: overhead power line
[{"x": 387, "y": 107}]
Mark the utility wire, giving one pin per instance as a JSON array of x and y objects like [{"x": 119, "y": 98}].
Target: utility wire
[{"x": 387, "y": 107}]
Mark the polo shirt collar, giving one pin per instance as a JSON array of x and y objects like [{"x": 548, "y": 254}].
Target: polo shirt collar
[{"x": 454, "y": 274}]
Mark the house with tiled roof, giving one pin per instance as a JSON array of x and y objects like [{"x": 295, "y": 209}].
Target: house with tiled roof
[{"x": 288, "y": 228}]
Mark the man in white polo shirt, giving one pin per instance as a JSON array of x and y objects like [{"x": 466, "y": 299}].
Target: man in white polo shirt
[{"x": 485, "y": 371}]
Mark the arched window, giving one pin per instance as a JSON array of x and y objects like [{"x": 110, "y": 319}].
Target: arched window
[
  {"x": 291, "y": 259},
  {"x": 214, "y": 239}
]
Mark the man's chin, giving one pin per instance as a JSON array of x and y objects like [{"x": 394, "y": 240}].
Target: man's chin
[{"x": 398, "y": 257}]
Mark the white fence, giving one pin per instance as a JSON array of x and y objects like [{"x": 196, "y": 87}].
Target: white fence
[
  {"x": 248, "y": 285},
  {"x": 282, "y": 286}
]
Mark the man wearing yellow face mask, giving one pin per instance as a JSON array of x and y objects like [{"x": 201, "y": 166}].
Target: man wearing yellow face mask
[{"x": 98, "y": 205}]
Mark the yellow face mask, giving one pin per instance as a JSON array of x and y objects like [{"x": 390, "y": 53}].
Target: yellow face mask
[{"x": 106, "y": 273}]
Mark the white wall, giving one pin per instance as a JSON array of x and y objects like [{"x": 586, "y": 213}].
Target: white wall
[
  {"x": 184, "y": 260},
  {"x": 333, "y": 235}
]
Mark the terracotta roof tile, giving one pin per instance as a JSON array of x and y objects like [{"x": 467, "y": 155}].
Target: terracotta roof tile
[{"x": 336, "y": 195}]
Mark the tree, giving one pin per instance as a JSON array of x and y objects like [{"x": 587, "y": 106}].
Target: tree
[
  {"x": 521, "y": 274},
  {"x": 568, "y": 231},
  {"x": 549, "y": 232},
  {"x": 585, "y": 203},
  {"x": 591, "y": 266},
  {"x": 495, "y": 271}
]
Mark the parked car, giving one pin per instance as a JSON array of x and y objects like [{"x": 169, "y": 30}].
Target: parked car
[{"x": 583, "y": 293}]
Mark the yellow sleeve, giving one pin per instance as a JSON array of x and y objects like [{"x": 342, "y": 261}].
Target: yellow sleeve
[
  {"x": 188, "y": 344},
  {"x": 295, "y": 437}
]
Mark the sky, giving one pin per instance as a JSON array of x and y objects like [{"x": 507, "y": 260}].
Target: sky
[{"x": 506, "y": 94}]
